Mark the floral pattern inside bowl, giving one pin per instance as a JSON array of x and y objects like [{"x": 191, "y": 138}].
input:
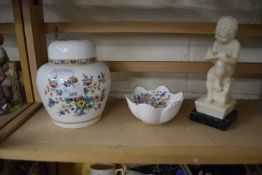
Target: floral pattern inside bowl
[
  {"x": 157, "y": 99},
  {"x": 155, "y": 106},
  {"x": 161, "y": 97}
]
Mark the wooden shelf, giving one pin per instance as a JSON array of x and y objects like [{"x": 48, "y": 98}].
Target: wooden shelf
[
  {"x": 4, "y": 119},
  {"x": 178, "y": 66},
  {"x": 119, "y": 137},
  {"x": 7, "y": 28},
  {"x": 205, "y": 28},
  {"x": 10, "y": 122}
]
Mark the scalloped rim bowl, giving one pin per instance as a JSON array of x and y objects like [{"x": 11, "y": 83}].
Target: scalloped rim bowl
[{"x": 155, "y": 106}]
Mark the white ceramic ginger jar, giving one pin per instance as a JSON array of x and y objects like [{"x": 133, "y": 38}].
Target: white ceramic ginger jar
[{"x": 73, "y": 86}]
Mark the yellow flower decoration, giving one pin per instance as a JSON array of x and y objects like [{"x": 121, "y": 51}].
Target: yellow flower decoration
[{"x": 81, "y": 103}]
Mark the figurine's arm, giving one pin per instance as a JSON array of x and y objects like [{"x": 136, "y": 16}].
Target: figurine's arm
[
  {"x": 235, "y": 51},
  {"x": 231, "y": 58},
  {"x": 212, "y": 53}
]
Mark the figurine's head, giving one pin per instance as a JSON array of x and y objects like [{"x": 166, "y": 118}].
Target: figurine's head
[{"x": 226, "y": 29}]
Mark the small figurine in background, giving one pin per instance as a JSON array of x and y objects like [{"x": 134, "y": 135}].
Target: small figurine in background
[
  {"x": 224, "y": 53},
  {"x": 16, "y": 88},
  {"x": 11, "y": 95},
  {"x": 4, "y": 103}
]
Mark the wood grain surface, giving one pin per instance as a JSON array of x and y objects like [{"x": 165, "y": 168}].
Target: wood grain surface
[
  {"x": 121, "y": 138},
  {"x": 7, "y": 28},
  {"x": 178, "y": 66},
  {"x": 18, "y": 120},
  {"x": 35, "y": 39},
  {"x": 21, "y": 43}
]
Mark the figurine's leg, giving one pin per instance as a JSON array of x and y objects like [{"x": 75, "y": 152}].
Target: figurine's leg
[
  {"x": 209, "y": 85},
  {"x": 4, "y": 105},
  {"x": 220, "y": 70},
  {"x": 7, "y": 91},
  {"x": 16, "y": 95}
]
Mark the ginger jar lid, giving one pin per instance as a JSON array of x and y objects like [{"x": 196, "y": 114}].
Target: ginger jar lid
[{"x": 71, "y": 51}]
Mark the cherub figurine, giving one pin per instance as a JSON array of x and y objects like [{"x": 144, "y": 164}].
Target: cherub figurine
[{"x": 224, "y": 54}]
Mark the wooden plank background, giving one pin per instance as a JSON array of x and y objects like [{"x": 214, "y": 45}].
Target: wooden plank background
[
  {"x": 147, "y": 27},
  {"x": 7, "y": 28},
  {"x": 177, "y": 66},
  {"x": 138, "y": 27}
]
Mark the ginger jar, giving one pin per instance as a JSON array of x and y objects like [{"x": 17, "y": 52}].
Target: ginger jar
[{"x": 73, "y": 86}]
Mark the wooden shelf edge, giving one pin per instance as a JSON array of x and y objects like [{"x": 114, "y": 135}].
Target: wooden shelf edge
[
  {"x": 131, "y": 141},
  {"x": 134, "y": 155},
  {"x": 146, "y": 27},
  {"x": 16, "y": 122},
  {"x": 7, "y": 28},
  {"x": 6, "y": 118},
  {"x": 143, "y": 155}
]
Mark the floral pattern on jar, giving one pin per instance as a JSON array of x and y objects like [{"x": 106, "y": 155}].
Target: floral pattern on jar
[{"x": 91, "y": 98}]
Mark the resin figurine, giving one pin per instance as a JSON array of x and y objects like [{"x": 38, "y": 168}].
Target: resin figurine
[{"x": 224, "y": 55}]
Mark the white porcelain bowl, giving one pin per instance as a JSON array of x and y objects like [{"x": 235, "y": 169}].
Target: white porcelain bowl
[{"x": 155, "y": 106}]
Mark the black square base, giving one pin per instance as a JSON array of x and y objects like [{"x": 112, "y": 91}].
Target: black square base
[{"x": 214, "y": 122}]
